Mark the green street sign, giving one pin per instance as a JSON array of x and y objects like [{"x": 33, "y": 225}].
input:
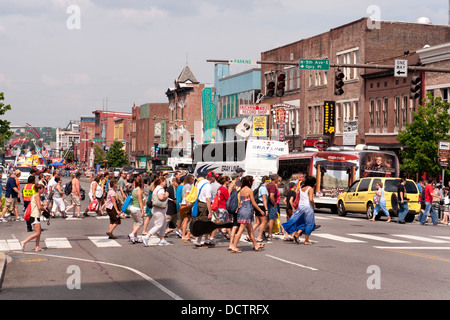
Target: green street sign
[
  {"x": 97, "y": 140},
  {"x": 314, "y": 64},
  {"x": 242, "y": 61}
]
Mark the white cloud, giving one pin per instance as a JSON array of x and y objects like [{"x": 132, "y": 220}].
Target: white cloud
[{"x": 50, "y": 81}]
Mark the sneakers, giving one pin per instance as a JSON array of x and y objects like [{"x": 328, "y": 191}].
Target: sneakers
[
  {"x": 133, "y": 239},
  {"x": 3, "y": 220},
  {"x": 145, "y": 240},
  {"x": 163, "y": 242}
]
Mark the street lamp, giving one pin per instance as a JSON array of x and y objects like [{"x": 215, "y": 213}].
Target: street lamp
[{"x": 293, "y": 134}]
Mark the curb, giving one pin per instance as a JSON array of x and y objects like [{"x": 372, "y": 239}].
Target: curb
[{"x": 2, "y": 268}]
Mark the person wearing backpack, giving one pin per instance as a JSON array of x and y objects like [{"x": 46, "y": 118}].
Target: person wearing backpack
[
  {"x": 204, "y": 207},
  {"x": 261, "y": 199}
]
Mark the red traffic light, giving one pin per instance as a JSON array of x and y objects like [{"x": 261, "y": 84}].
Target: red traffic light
[{"x": 339, "y": 83}]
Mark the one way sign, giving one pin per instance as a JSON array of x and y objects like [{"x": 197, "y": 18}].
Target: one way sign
[{"x": 401, "y": 68}]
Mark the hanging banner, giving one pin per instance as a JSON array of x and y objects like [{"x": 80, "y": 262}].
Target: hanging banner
[
  {"x": 328, "y": 121},
  {"x": 280, "y": 116},
  {"x": 163, "y": 140},
  {"x": 209, "y": 116}
]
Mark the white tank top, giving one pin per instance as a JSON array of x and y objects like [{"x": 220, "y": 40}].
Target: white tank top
[{"x": 304, "y": 198}]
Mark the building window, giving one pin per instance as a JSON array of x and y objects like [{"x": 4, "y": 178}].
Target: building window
[
  {"x": 317, "y": 119},
  {"x": 445, "y": 94},
  {"x": 404, "y": 110},
  {"x": 378, "y": 115},
  {"x": 385, "y": 114},
  {"x": 310, "y": 117},
  {"x": 350, "y": 56},
  {"x": 339, "y": 126},
  {"x": 396, "y": 114},
  {"x": 371, "y": 115}
]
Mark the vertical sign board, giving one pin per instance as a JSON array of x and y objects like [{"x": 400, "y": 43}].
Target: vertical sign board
[
  {"x": 163, "y": 139},
  {"x": 401, "y": 68},
  {"x": 209, "y": 116},
  {"x": 259, "y": 126},
  {"x": 328, "y": 121},
  {"x": 280, "y": 116}
]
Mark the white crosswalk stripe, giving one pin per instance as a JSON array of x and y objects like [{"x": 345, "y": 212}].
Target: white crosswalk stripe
[
  {"x": 10, "y": 245},
  {"x": 57, "y": 243},
  {"x": 376, "y": 238},
  {"x": 337, "y": 238},
  {"x": 418, "y": 238},
  {"x": 104, "y": 242}
]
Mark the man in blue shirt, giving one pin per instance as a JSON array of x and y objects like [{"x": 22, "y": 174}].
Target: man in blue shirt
[{"x": 11, "y": 195}]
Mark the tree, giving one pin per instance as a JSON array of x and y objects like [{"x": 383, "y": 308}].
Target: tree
[
  {"x": 99, "y": 155},
  {"x": 116, "y": 156},
  {"x": 5, "y": 132},
  {"x": 421, "y": 137}
]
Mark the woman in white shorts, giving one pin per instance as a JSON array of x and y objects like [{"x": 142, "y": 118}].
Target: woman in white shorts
[
  {"x": 136, "y": 208},
  {"x": 36, "y": 212},
  {"x": 58, "y": 198}
]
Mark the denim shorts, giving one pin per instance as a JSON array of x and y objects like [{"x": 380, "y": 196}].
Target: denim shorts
[{"x": 273, "y": 212}]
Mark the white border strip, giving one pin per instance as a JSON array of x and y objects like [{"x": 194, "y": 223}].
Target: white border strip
[{"x": 293, "y": 263}]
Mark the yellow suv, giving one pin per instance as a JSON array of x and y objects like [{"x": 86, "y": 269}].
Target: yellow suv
[{"x": 359, "y": 197}]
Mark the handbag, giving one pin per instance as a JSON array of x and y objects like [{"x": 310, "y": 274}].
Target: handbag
[
  {"x": 27, "y": 215},
  {"x": 126, "y": 204},
  {"x": 93, "y": 205},
  {"x": 376, "y": 199},
  {"x": 157, "y": 202}
]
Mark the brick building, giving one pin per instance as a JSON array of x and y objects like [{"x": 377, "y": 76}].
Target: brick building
[
  {"x": 105, "y": 124},
  {"x": 87, "y": 134},
  {"x": 144, "y": 138},
  {"x": 184, "y": 113},
  {"x": 357, "y": 42}
]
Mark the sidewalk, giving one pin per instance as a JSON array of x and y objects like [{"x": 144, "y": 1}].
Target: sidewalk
[{"x": 3, "y": 259}]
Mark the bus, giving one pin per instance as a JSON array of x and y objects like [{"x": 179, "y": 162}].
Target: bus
[
  {"x": 180, "y": 163},
  {"x": 337, "y": 168},
  {"x": 257, "y": 157}
]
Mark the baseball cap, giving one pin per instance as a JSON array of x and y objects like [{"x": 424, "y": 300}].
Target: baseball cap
[
  {"x": 212, "y": 174},
  {"x": 239, "y": 170}
]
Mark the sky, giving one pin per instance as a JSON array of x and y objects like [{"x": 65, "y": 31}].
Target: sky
[{"x": 61, "y": 59}]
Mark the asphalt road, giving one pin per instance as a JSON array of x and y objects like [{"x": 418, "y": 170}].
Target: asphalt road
[{"x": 351, "y": 258}]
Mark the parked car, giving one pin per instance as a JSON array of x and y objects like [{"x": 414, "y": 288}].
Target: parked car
[{"x": 358, "y": 198}]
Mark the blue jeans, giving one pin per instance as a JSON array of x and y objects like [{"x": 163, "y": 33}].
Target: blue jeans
[
  {"x": 382, "y": 206},
  {"x": 403, "y": 211},
  {"x": 428, "y": 209}
]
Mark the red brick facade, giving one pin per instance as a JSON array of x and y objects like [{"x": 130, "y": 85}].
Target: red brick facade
[{"x": 352, "y": 43}]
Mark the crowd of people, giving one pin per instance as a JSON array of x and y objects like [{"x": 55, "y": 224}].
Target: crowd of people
[
  {"x": 171, "y": 205},
  {"x": 174, "y": 205}
]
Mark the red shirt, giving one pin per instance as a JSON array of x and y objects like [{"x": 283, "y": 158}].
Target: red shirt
[
  {"x": 428, "y": 193},
  {"x": 223, "y": 195}
]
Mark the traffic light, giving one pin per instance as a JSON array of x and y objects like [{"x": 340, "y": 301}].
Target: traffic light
[
  {"x": 281, "y": 83},
  {"x": 270, "y": 88},
  {"x": 339, "y": 83},
  {"x": 416, "y": 87}
]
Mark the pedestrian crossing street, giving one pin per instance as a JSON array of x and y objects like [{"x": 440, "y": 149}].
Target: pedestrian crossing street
[{"x": 376, "y": 240}]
